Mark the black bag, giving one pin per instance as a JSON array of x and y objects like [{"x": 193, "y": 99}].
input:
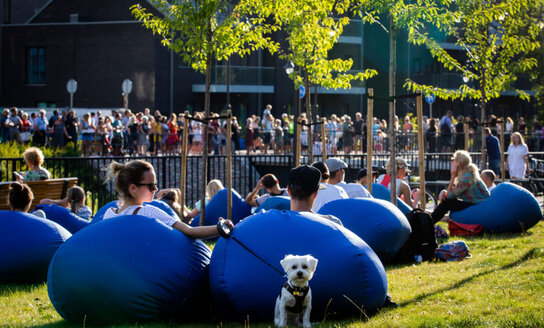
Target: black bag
[{"x": 422, "y": 240}]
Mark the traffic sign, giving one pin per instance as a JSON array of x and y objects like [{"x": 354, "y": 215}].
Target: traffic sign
[
  {"x": 429, "y": 98},
  {"x": 127, "y": 86},
  {"x": 71, "y": 86},
  {"x": 301, "y": 92}
]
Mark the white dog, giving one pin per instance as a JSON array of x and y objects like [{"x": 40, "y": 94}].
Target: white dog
[{"x": 294, "y": 304}]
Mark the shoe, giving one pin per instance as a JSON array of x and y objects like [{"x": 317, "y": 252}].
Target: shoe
[{"x": 389, "y": 303}]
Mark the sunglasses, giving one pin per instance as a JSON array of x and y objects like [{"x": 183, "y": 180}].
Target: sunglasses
[{"x": 152, "y": 186}]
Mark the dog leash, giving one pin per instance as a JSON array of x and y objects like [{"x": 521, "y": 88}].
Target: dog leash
[{"x": 224, "y": 231}]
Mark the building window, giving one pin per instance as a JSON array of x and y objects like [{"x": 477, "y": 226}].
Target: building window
[
  {"x": 6, "y": 19},
  {"x": 35, "y": 66}
]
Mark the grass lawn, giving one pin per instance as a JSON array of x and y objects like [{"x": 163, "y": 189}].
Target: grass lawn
[{"x": 502, "y": 285}]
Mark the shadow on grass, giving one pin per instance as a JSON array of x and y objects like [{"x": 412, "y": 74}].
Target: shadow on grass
[
  {"x": 531, "y": 254},
  {"x": 16, "y": 288}
]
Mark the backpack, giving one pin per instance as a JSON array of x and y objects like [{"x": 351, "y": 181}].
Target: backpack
[
  {"x": 462, "y": 229},
  {"x": 444, "y": 128},
  {"x": 422, "y": 240},
  {"x": 453, "y": 251}
]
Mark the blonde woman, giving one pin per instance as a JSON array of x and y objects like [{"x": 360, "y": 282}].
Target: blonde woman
[
  {"x": 87, "y": 134},
  {"x": 465, "y": 189},
  {"x": 518, "y": 157},
  {"x": 211, "y": 190},
  {"x": 33, "y": 158}
]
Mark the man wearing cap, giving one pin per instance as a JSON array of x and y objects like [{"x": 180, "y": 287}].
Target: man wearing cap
[
  {"x": 362, "y": 177},
  {"x": 337, "y": 169},
  {"x": 272, "y": 186},
  {"x": 403, "y": 189},
  {"x": 327, "y": 192},
  {"x": 304, "y": 183}
]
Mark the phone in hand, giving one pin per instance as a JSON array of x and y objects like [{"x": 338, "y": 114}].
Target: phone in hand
[{"x": 17, "y": 175}]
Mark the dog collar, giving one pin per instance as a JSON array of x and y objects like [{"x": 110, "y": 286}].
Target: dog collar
[{"x": 299, "y": 293}]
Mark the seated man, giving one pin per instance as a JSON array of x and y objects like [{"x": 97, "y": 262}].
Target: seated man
[
  {"x": 304, "y": 183},
  {"x": 337, "y": 169},
  {"x": 362, "y": 177},
  {"x": 327, "y": 192},
  {"x": 488, "y": 177},
  {"x": 272, "y": 186},
  {"x": 402, "y": 188}
]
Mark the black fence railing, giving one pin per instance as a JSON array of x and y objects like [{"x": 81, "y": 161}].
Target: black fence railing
[{"x": 246, "y": 170}]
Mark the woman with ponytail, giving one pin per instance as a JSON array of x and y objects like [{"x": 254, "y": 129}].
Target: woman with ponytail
[
  {"x": 135, "y": 182},
  {"x": 465, "y": 189},
  {"x": 74, "y": 201}
]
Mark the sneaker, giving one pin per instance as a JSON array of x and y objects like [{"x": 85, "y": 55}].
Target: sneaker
[{"x": 389, "y": 302}]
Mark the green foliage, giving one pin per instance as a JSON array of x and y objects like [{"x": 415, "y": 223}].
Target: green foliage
[
  {"x": 312, "y": 28},
  {"x": 498, "y": 37},
  {"x": 201, "y": 31},
  {"x": 16, "y": 150}
]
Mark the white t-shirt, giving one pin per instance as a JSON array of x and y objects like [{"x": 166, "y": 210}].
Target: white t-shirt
[
  {"x": 354, "y": 190},
  {"x": 149, "y": 211},
  {"x": 328, "y": 195},
  {"x": 263, "y": 198}
]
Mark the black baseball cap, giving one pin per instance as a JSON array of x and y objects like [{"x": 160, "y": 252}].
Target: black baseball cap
[
  {"x": 363, "y": 173},
  {"x": 305, "y": 178}
]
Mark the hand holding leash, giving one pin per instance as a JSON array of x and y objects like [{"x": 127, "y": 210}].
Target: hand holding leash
[{"x": 224, "y": 227}]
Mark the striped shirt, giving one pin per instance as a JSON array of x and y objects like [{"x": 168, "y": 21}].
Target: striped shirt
[{"x": 474, "y": 194}]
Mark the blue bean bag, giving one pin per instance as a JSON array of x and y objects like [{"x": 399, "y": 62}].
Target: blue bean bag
[
  {"x": 510, "y": 208},
  {"x": 27, "y": 245},
  {"x": 381, "y": 192},
  {"x": 378, "y": 222},
  {"x": 347, "y": 270},
  {"x": 64, "y": 217},
  {"x": 276, "y": 203},
  {"x": 217, "y": 207},
  {"x": 129, "y": 268},
  {"x": 157, "y": 203}
]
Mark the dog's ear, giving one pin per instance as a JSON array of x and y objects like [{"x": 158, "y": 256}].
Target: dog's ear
[
  {"x": 312, "y": 261},
  {"x": 286, "y": 262}
]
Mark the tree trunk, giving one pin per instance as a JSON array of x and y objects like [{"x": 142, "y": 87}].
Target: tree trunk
[
  {"x": 483, "y": 105},
  {"x": 392, "y": 103},
  {"x": 309, "y": 114},
  {"x": 204, "y": 183}
]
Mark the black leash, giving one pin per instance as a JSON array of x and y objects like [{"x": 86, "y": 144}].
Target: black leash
[{"x": 224, "y": 231}]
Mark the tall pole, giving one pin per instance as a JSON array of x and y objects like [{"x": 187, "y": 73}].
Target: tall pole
[
  {"x": 421, "y": 149},
  {"x": 228, "y": 82},
  {"x": 503, "y": 173},
  {"x": 465, "y": 129},
  {"x": 229, "y": 165},
  {"x": 323, "y": 140},
  {"x": 297, "y": 151},
  {"x": 184, "y": 159},
  {"x": 369, "y": 139},
  {"x": 310, "y": 120},
  {"x": 392, "y": 105},
  {"x": 204, "y": 181}
]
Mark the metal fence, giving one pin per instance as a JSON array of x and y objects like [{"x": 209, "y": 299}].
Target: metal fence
[{"x": 247, "y": 169}]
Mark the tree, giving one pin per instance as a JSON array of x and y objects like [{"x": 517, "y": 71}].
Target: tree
[
  {"x": 312, "y": 28},
  {"x": 498, "y": 37},
  {"x": 400, "y": 15},
  {"x": 201, "y": 31}
]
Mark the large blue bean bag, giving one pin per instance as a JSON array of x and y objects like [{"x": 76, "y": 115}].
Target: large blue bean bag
[
  {"x": 27, "y": 245},
  {"x": 64, "y": 217},
  {"x": 510, "y": 208},
  {"x": 129, "y": 268},
  {"x": 381, "y": 192},
  {"x": 99, "y": 216},
  {"x": 275, "y": 203},
  {"x": 217, "y": 207},
  {"x": 348, "y": 271},
  {"x": 378, "y": 222}
]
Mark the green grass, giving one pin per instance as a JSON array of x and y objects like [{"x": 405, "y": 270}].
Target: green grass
[{"x": 502, "y": 285}]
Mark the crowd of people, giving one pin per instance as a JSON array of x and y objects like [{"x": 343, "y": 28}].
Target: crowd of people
[{"x": 152, "y": 133}]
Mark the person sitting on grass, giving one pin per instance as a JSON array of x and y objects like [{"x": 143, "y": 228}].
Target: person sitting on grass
[
  {"x": 33, "y": 158},
  {"x": 20, "y": 198},
  {"x": 489, "y": 177},
  {"x": 74, "y": 201},
  {"x": 272, "y": 186},
  {"x": 135, "y": 182},
  {"x": 411, "y": 198},
  {"x": 465, "y": 189}
]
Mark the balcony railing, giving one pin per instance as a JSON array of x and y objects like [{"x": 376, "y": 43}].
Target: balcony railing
[{"x": 239, "y": 75}]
